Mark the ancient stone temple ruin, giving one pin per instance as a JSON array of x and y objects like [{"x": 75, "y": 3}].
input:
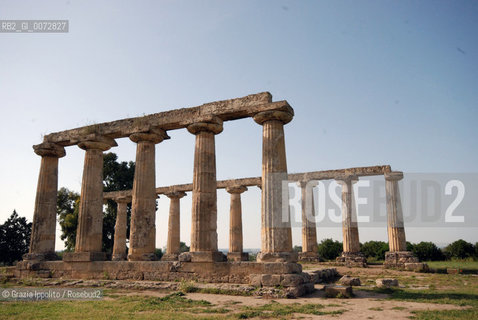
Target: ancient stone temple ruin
[{"x": 276, "y": 264}]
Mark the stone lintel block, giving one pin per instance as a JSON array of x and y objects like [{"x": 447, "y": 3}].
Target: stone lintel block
[
  {"x": 170, "y": 257},
  {"x": 84, "y": 256},
  {"x": 255, "y": 280},
  {"x": 277, "y": 257},
  {"x": 238, "y": 256},
  {"x": 119, "y": 257},
  {"x": 386, "y": 283},
  {"x": 207, "y": 256},
  {"x": 350, "y": 281},
  {"x": 271, "y": 280},
  {"x": 281, "y": 267},
  {"x": 40, "y": 256},
  {"x": 292, "y": 280},
  {"x": 334, "y": 291}
]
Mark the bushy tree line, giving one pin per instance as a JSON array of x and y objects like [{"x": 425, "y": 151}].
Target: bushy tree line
[
  {"x": 14, "y": 239},
  {"x": 329, "y": 249}
]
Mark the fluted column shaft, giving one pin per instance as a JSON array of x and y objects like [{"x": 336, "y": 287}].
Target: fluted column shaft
[
  {"x": 119, "y": 247},
  {"x": 349, "y": 216},
  {"x": 276, "y": 236},
  {"x": 309, "y": 232},
  {"x": 174, "y": 244},
  {"x": 235, "y": 222},
  {"x": 89, "y": 233},
  {"x": 42, "y": 241},
  {"x": 396, "y": 230},
  {"x": 204, "y": 196},
  {"x": 142, "y": 237}
]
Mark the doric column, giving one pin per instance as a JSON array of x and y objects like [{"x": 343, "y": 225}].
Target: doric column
[
  {"x": 396, "y": 231},
  {"x": 235, "y": 225},
  {"x": 89, "y": 233},
  {"x": 309, "y": 232},
  {"x": 42, "y": 241},
  {"x": 276, "y": 236},
  {"x": 351, "y": 246},
  {"x": 142, "y": 237},
  {"x": 173, "y": 245},
  {"x": 119, "y": 247},
  {"x": 204, "y": 202}
]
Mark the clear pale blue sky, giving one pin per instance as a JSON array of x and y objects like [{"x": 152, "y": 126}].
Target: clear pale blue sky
[{"x": 371, "y": 82}]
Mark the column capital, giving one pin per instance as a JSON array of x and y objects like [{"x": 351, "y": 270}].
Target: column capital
[
  {"x": 236, "y": 189},
  {"x": 346, "y": 179},
  {"x": 48, "y": 149},
  {"x": 95, "y": 141},
  {"x": 154, "y": 135},
  {"x": 305, "y": 183},
  {"x": 393, "y": 176},
  {"x": 282, "y": 116},
  {"x": 213, "y": 125},
  {"x": 175, "y": 194}
]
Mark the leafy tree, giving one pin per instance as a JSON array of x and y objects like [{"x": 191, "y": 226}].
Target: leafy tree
[
  {"x": 158, "y": 253},
  {"x": 183, "y": 247},
  {"x": 329, "y": 249},
  {"x": 374, "y": 249},
  {"x": 459, "y": 249},
  {"x": 427, "y": 251},
  {"x": 68, "y": 205},
  {"x": 14, "y": 238}
]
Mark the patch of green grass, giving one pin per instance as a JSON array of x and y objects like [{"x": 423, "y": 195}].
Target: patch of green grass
[
  {"x": 399, "y": 308},
  {"x": 376, "y": 309},
  {"x": 275, "y": 310},
  {"x": 189, "y": 287},
  {"x": 455, "y": 264}
]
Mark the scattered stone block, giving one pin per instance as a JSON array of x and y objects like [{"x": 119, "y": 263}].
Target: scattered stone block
[
  {"x": 386, "y": 283},
  {"x": 350, "y": 281},
  {"x": 338, "y": 291}
]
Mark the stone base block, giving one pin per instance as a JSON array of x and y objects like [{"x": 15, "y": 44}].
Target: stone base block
[
  {"x": 142, "y": 257},
  {"x": 334, "y": 291},
  {"x": 207, "y": 256},
  {"x": 170, "y": 257},
  {"x": 277, "y": 257},
  {"x": 119, "y": 257},
  {"x": 84, "y": 256},
  {"x": 48, "y": 256},
  {"x": 352, "y": 259},
  {"x": 309, "y": 256},
  {"x": 238, "y": 256},
  {"x": 398, "y": 259}
]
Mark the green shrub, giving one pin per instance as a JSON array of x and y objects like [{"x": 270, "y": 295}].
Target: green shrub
[
  {"x": 459, "y": 249},
  {"x": 374, "y": 249},
  {"x": 329, "y": 249}
]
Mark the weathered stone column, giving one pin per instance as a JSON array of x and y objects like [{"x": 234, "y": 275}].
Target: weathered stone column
[
  {"x": 89, "y": 233},
  {"x": 119, "y": 246},
  {"x": 235, "y": 225},
  {"x": 398, "y": 254},
  {"x": 173, "y": 246},
  {"x": 42, "y": 241},
  {"x": 276, "y": 235},
  {"x": 351, "y": 254},
  {"x": 204, "y": 206},
  {"x": 142, "y": 238},
  {"x": 309, "y": 232}
]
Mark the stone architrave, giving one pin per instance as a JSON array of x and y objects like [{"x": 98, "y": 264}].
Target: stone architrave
[
  {"x": 89, "y": 233},
  {"x": 204, "y": 196},
  {"x": 42, "y": 241},
  {"x": 351, "y": 254},
  {"x": 398, "y": 254},
  {"x": 276, "y": 234},
  {"x": 309, "y": 231},
  {"x": 119, "y": 246},
  {"x": 173, "y": 245},
  {"x": 235, "y": 225},
  {"x": 142, "y": 237}
]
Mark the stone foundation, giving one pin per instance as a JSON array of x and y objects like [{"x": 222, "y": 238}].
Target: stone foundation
[
  {"x": 404, "y": 260},
  {"x": 238, "y": 256},
  {"x": 309, "y": 257},
  {"x": 352, "y": 259},
  {"x": 83, "y": 256},
  {"x": 170, "y": 257},
  {"x": 288, "y": 276}
]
